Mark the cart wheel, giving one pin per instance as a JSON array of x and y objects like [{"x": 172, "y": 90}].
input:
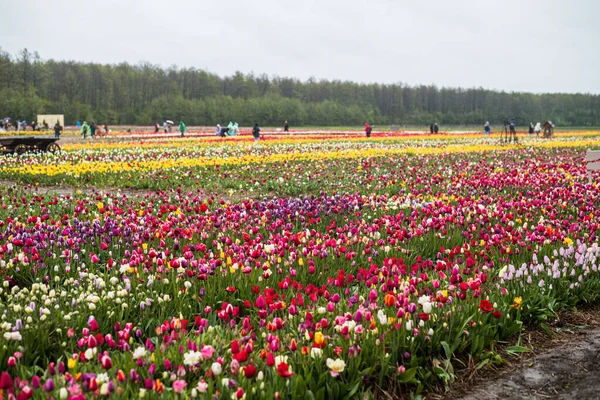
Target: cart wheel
[
  {"x": 53, "y": 148},
  {"x": 20, "y": 149}
]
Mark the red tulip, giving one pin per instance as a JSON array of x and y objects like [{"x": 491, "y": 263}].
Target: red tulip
[
  {"x": 270, "y": 359},
  {"x": 235, "y": 347},
  {"x": 249, "y": 371},
  {"x": 106, "y": 362},
  {"x": 239, "y": 393},
  {"x": 486, "y": 306},
  {"x": 283, "y": 370}
]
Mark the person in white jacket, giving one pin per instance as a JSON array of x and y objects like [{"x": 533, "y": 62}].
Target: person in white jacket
[{"x": 537, "y": 129}]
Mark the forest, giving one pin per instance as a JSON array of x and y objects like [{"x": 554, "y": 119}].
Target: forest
[{"x": 144, "y": 93}]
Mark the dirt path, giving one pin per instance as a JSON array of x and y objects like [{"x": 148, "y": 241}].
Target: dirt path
[{"x": 571, "y": 371}]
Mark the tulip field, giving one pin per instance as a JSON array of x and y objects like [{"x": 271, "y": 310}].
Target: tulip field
[{"x": 301, "y": 267}]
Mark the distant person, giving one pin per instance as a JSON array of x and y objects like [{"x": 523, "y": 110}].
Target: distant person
[
  {"x": 218, "y": 130},
  {"x": 225, "y": 131},
  {"x": 45, "y": 124},
  {"x": 368, "y": 130},
  {"x": 286, "y": 127},
  {"x": 548, "y": 129},
  {"x": 537, "y": 129},
  {"x": 436, "y": 128},
  {"x": 166, "y": 127},
  {"x": 57, "y": 130},
  {"x": 256, "y": 132},
  {"x": 105, "y": 129},
  {"x": 531, "y": 128},
  {"x": 77, "y": 124},
  {"x": 487, "y": 128},
  {"x": 512, "y": 132},
  {"x": 156, "y": 126},
  {"x": 181, "y": 128},
  {"x": 431, "y": 128},
  {"x": 92, "y": 128},
  {"x": 85, "y": 129}
]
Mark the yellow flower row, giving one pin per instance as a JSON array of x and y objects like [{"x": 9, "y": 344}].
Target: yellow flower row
[
  {"x": 188, "y": 162},
  {"x": 244, "y": 141}
]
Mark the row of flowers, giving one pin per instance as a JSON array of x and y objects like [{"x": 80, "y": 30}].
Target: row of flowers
[{"x": 289, "y": 169}]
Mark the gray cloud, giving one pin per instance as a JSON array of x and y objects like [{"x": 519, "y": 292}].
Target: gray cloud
[{"x": 533, "y": 45}]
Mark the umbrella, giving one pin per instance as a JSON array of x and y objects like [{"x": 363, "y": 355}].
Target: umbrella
[
  {"x": 6, "y": 118},
  {"x": 169, "y": 122}
]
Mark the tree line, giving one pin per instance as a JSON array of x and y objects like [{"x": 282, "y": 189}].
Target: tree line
[{"x": 144, "y": 93}]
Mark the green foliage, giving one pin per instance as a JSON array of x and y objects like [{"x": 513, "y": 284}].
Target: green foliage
[{"x": 145, "y": 93}]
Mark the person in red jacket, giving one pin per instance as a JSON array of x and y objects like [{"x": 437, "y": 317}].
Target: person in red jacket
[{"x": 368, "y": 130}]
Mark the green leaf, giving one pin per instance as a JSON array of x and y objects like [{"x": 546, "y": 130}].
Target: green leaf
[
  {"x": 441, "y": 373},
  {"x": 546, "y": 329},
  {"x": 408, "y": 376},
  {"x": 353, "y": 391},
  {"x": 447, "y": 351},
  {"x": 482, "y": 364},
  {"x": 300, "y": 388},
  {"x": 321, "y": 394},
  {"x": 514, "y": 350}
]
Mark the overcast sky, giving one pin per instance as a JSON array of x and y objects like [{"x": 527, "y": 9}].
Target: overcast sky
[{"x": 520, "y": 45}]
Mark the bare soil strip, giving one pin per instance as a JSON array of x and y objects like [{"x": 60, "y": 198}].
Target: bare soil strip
[{"x": 570, "y": 371}]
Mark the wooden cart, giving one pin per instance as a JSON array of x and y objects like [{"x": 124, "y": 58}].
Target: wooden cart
[{"x": 21, "y": 145}]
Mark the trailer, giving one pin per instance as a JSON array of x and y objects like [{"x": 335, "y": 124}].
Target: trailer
[{"x": 21, "y": 145}]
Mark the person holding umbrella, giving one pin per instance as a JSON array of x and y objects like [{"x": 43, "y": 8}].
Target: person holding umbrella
[
  {"x": 4, "y": 123},
  {"x": 181, "y": 128}
]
